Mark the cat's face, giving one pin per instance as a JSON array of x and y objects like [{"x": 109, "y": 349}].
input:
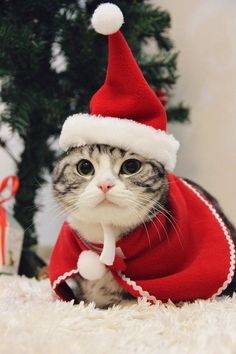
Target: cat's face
[{"x": 103, "y": 184}]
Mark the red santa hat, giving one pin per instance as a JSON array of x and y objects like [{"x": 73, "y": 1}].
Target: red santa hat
[{"x": 125, "y": 112}]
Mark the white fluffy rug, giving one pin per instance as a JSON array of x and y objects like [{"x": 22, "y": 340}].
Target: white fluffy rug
[{"x": 33, "y": 322}]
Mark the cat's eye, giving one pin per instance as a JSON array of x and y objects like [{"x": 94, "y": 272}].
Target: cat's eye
[
  {"x": 131, "y": 166},
  {"x": 85, "y": 168}
]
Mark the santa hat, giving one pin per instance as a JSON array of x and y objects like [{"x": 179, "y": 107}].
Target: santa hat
[{"x": 125, "y": 112}]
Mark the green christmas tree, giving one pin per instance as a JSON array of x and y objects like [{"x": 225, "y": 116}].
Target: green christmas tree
[{"x": 39, "y": 97}]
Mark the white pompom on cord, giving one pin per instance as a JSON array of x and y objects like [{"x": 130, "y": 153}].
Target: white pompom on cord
[
  {"x": 107, "y": 19},
  {"x": 90, "y": 266}
]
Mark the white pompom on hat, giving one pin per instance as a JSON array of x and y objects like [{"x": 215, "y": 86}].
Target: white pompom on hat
[{"x": 107, "y": 19}]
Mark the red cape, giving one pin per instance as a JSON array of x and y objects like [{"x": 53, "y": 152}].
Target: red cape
[{"x": 185, "y": 256}]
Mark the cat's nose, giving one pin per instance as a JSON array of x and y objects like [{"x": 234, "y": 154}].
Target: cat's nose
[{"x": 105, "y": 185}]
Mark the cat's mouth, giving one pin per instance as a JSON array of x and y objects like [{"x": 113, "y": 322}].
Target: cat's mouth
[{"x": 106, "y": 202}]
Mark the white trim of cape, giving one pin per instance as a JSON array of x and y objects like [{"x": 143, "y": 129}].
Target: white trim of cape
[
  {"x": 144, "y": 294},
  {"x": 64, "y": 276},
  {"x": 227, "y": 236}
]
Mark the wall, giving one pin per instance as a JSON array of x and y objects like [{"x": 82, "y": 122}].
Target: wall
[{"x": 205, "y": 34}]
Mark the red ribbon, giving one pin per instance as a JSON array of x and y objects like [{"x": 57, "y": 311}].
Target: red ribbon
[{"x": 13, "y": 181}]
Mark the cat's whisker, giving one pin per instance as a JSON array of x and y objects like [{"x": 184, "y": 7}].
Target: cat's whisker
[
  {"x": 52, "y": 219},
  {"x": 137, "y": 204},
  {"x": 151, "y": 219},
  {"x": 154, "y": 224},
  {"x": 154, "y": 214},
  {"x": 145, "y": 227},
  {"x": 171, "y": 219},
  {"x": 173, "y": 225},
  {"x": 63, "y": 212},
  {"x": 67, "y": 208},
  {"x": 141, "y": 219},
  {"x": 160, "y": 206},
  {"x": 172, "y": 222}
]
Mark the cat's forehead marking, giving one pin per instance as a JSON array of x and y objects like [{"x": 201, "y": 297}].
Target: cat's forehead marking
[
  {"x": 105, "y": 161},
  {"x": 105, "y": 168},
  {"x": 106, "y": 154}
]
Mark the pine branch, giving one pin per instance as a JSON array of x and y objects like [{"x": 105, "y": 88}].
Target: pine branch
[{"x": 179, "y": 113}]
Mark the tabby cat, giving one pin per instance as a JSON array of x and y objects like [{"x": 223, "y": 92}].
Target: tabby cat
[{"x": 134, "y": 192}]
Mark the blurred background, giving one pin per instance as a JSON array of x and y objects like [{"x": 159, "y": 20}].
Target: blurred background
[{"x": 204, "y": 35}]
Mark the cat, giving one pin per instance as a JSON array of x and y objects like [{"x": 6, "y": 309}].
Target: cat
[{"x": 136, "y": 190}]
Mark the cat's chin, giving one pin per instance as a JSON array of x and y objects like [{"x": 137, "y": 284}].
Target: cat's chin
[
  {"x": 93, "y": 231},
  {"x": 107, "y": 213}
]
